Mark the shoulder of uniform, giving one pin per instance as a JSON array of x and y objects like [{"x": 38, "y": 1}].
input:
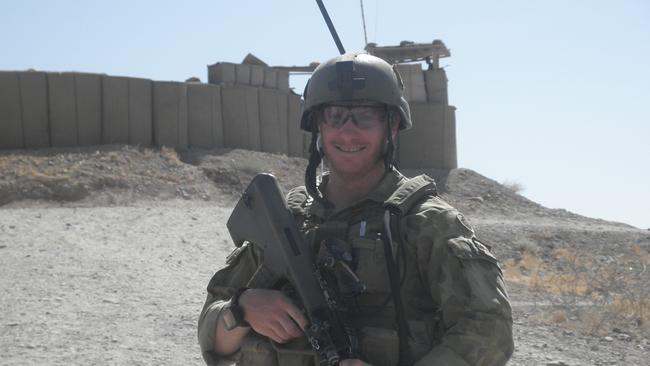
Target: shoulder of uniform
[
  {"x": 442, "y": 217},
  {"x": 471, "y": 248},
  {"x": 298, "y": 199},
  {"x": 433, "y": 203},
  {"x": 410, "y": 191}
]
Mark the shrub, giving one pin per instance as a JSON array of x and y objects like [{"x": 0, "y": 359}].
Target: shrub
[
  {"x": 600, "y": 294},
  {"x": 513, "y": 186}
]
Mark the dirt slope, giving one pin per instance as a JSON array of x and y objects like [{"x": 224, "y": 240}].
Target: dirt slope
[{"x": 106, "y": 253}]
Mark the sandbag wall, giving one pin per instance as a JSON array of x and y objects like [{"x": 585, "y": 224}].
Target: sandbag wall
[
  {"x": 259, "y": 110},
  {"x": 242, "y": 106},
  {"x": 431, "y": 143},
  {"x": 229, "y": 73},
  {"x": 43, "y": 109}
]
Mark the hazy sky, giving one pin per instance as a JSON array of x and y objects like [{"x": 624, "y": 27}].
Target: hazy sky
[{"x": 554, "y": 95}]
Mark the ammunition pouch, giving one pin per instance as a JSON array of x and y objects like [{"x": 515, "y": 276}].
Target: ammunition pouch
[
  {"x": 259, "y": 351},
  {"x": 380, "y": 346}
]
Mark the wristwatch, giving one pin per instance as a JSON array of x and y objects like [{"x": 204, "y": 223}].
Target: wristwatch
[{"x": 233, "y": 314}]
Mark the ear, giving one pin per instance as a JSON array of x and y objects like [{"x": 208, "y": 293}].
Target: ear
[
  {"x": 395, "y": 120},
  {"x": 394, "y": 128}
]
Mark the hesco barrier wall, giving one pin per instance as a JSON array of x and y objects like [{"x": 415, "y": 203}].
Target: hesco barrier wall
[
  {"x": 44, "y": 109},
  {"x": 431, "y": 142},
  {"x": 243, "y": 106},
  {"x": 245, "y": 74}
]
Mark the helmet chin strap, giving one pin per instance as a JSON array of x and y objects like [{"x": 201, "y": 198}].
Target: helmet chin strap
[
  {"x": 315, "y": 159},
  {"x": 321, "y": 152},
  {"x": 389, "y": 146},
  {"x": 319, "y": 145}
]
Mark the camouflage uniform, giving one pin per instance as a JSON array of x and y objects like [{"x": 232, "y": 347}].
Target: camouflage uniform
[{"x": 454, "y": 295}]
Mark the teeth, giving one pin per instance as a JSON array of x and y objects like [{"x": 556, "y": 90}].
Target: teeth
[{"x": 350, "y": 148}]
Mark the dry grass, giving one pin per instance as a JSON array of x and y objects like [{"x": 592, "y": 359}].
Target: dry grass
[
  {"x": 598, "y": 293},
  {"x": 75, "y": 173},
  {"x": 515, "y": 187},
  {"x": 170, "y": 156}
]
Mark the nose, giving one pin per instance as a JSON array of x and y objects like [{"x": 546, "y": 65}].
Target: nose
[{"x": 348, "y": 124}]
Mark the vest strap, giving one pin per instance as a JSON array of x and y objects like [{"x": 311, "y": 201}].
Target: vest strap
[{"x": 410, "y": 193}]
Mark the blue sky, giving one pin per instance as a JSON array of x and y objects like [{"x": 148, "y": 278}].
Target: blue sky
[{"x": 554, "y": 95}]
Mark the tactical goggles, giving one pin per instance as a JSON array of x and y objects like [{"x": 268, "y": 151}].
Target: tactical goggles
[{"x": 364, "y": 116}]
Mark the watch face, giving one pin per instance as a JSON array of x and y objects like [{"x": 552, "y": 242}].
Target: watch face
[{"x": 229, "y": 319}]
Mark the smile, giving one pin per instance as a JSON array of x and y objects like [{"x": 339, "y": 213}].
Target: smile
[{"x": 350, "y": 149}]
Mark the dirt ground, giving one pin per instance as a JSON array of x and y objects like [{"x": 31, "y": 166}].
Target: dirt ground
[{"x": 106, "y": 251}]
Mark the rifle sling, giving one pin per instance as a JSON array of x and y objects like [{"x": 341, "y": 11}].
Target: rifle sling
[{"x": 392, "y": 226}]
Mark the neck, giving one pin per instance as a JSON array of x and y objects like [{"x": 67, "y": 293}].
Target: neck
[{"x": 343, "y": 190}]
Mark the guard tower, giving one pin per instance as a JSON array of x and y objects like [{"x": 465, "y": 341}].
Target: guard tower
[{"x": 431, "y": 143}]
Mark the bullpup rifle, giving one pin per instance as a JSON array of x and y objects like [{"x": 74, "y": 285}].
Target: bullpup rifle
[{"x": 262, "y": 218}]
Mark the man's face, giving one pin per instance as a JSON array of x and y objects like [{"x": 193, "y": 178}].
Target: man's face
[{"x": 353, "y": 138}]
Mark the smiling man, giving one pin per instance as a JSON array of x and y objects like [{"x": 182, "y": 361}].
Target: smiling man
[
  {"x": 353, "y": 140},
  {"x": 432, "y": 293}
]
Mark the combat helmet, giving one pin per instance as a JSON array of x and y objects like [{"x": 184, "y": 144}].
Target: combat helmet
[
  {"x": 352, "y": 77},
  {"x": 348, "y": 78}
]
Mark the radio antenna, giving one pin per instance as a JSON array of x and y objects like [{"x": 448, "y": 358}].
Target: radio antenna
[
  {"x": 363, "y": 19},
  {"x": 330, "y": 26}
]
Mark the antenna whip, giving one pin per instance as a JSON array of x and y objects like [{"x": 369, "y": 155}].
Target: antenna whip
[
  {"x": 330, "y": 26},
  {"x": 363, "y": 19}
]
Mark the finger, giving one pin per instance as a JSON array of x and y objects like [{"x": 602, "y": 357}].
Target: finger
[
  {"x": 290, "y": 327},
  {"x": 281, "y": 335},
  {"x": 297, "y": 316},
  {"x": 280, "y": 330},
  {"x": 272, "y": 333}
]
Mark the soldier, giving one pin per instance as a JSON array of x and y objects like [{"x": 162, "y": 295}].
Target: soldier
[{"x": 434, "y": 294}]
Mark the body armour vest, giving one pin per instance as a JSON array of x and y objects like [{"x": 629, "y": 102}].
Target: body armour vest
[{"x": 359, "y": 235}]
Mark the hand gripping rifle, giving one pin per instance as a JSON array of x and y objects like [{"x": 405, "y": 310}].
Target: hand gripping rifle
[{"x": 262, "y": 218}]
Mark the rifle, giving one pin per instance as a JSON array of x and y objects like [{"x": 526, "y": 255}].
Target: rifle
[{"x": 262, "y": 218}]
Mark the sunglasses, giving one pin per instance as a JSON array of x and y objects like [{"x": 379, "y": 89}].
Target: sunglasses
[{"x": 364, "y": 117}]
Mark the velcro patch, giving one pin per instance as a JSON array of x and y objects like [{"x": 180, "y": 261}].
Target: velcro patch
[{"x": 465, "y": 248}]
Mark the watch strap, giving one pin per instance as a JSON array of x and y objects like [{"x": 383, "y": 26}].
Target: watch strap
[{"x": 236, "y": 310}]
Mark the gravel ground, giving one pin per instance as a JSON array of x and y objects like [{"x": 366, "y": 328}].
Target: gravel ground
[
  {"x": 107, "y": 285},
  {"x": 118, "y": 276}
]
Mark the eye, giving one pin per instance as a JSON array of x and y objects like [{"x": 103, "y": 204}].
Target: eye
[
  {"x": 370, "y": 113},
  {"x": 366, "y": 113},
  {"x": 336, "y": 113}
]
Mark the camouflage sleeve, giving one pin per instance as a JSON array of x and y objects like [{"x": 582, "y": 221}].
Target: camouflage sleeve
[
  {"x": 240, "y": 267},
  {"x": 467, "y": 288}
]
